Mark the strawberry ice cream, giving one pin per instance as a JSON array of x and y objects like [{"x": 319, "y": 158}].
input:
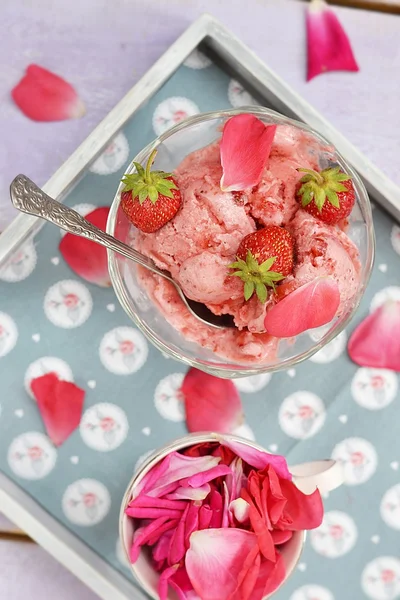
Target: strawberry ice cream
[{"x": 201, "y": 242}]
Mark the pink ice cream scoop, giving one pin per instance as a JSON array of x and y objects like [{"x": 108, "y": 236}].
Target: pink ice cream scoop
[{"x": 201, "y": 241}]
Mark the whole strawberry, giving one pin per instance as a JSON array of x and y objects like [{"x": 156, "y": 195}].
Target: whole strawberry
[
  {"x": 258, "y": 253},
  {"x": 150, "y": 198},
  {"x": 328, "y": 194}
]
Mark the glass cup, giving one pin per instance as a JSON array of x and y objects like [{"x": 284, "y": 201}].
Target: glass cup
[
  {"x": 142, "y": 569},
  {"x": 173, "y": 146}
]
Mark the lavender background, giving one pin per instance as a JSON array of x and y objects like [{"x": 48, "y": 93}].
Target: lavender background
[{"x": 103, "y": 48}]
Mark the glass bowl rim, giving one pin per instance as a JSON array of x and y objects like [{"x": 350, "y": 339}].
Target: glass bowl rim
[{"x": 220, "y": 370}]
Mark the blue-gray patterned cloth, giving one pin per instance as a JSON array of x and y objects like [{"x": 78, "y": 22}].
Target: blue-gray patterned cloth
[{"x": 51, "y": 320}]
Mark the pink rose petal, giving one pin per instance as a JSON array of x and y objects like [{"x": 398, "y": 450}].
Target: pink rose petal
[
  {"x": 161, "y": 548},
  {"x": 60, "y": 404},
  {"x": 178, "y": 467},
  {"x": 152, "y": 513},
  {"x": 271, "y": 576},
  {"x": 215, "y": 560},
  {"x": 144, "y": 501},
  {"x": 43, "y": 96},
  {"x": 211, "y": 404},
  {"x": 281, "y": 537},
  {"x": 328, "y": 46},
  {"x": 177, "y": 547},
  {"x": 375, "y": 343},
  {"x": 190, "y": 493},
  {"x": 305, "y": 511},
  {"x": 216, "y": 504},
  {"x": 84, "y": 257},
  {"x": 180, "y": 582},
  {"x": 311, "y": 305},
  {"x": 259, "y": 459},
  {"x": 205, "y": 516},
  {"x": 240, "y": 509},
  {"x": 192, "y": 521},
  {"x": 245, "y": 148},
  {"x": 151, "y": 532},
  {"x": 164, "y": 581},
  {"x": 201, "y": 478}
]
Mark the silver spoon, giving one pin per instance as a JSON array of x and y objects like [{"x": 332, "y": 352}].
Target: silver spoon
[{"x": 27, "y": 197}]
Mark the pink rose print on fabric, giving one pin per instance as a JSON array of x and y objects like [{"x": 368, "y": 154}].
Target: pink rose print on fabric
[
  {"x": 336, "y": 536},
  {"x": 104, "y": 427},
  {"x": 31, "y": 456},
  {"x": 68, "y": 304},
  {"x": 123, "y": 350},
  {"x": 302, "y": 415},
  {"x": 86, "y": 502},
  {"x": 359, "y": 459}
]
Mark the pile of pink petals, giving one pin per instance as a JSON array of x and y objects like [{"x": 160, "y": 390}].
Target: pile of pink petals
[{"x": 215, "y": 517}]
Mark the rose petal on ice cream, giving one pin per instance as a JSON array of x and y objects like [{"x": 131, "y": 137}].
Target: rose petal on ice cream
[
  {"x": 215, "y": 559},
  {"x": 328, "y": 46},
  {"x": 245, "y": 147},
  {"x": 211, "y": 403},
  {"x": 43, "y": 96},
  {"x": 85, "y": 258},
  {"x": 60, "y": 404},
  {"x": 375, "y": 343},
  {"x": 311, "y": 305},
  {"x": 259, "y": 459}
]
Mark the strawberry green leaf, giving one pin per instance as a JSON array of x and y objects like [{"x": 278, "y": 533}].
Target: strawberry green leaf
[{"x": 249, "y": 289}]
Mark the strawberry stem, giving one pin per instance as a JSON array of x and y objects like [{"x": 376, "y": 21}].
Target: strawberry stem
[
  {"x": 147, "y": 176},
  {"x": 317, "y": 176}
]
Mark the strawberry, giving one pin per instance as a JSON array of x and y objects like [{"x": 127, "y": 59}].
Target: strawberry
[
  {"x": 150, "y": 198},
  {"x": 257, "y": 253},
  {"x": 328, "y": 194}
]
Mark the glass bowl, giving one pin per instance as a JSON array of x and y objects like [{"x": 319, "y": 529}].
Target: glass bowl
[{"x": 173, "y": 146}]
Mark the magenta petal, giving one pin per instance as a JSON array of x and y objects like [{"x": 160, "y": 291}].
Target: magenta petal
[
  {"x": 179, "y": 467},
  {"x": 161, "y": 548},
  {"x": 205, "y": 516},
  {"x": 259, "y": 459},
  {"x": 201, "y": 478},
  {"x": 216, "y": 504},
  {"x": 152, "y": 476},
  {"x": 375, "y": 343},
  {"x": 177, "y": 548},
  {"x": 211, "y": 403},
  {"x": 180, "y": 582},
  {"x": 328, "y": 46},
  {"x": 152, "y": 513},
  {"x": 245, "y": 148},
  {"x": 144, "y": 501},
  {"x": 190, "y": 493},
  {"x": 151, "y": 532},
  {"x": 311, "y": 305},
  {"x": 164, "y": 580},
  {"x": 192, "y": 521},
  {"x": 215, "y": 559}
]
